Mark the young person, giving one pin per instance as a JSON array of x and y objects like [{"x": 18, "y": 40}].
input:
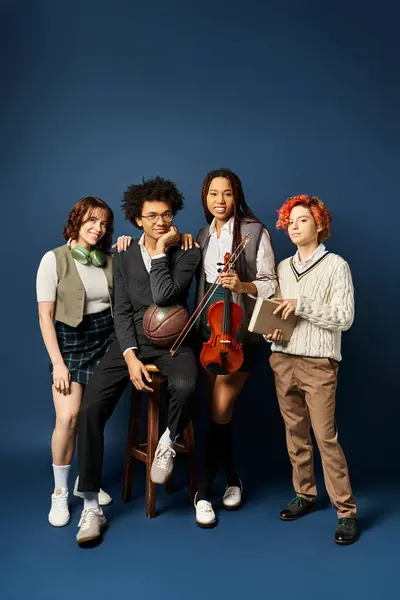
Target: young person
[
  {"x": 153, "y": 270},
  {"x": 316, "y": 285},
  {"x": 74, "y": 292},
  {"x": 229, "y": 219}
]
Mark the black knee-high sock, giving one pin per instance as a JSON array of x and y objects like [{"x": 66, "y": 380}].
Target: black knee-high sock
[
  {"x": 227, "y": 454},
  {"x": 217, "y": 451},
  {"x": 212, "y": 460}
]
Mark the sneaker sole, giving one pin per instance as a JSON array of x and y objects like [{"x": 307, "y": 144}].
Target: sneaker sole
[
  {"x": 87, "y": 540},
  {"x": 235, "y": 507},
  {"x": 344, "y": 543},
  {"x": 106, "y": 503},
  {"x": 58, "y": 524},
  {"x": 206, "y": 525},
  {"x": 300, "y": 516},
  {"x": 161, "y": 482}
]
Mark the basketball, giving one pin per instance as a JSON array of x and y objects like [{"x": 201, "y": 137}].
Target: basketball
[{"x": 163, "y": 324}]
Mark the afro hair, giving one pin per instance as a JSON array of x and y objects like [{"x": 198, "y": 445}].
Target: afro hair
[{"x": 163, "y": 190}]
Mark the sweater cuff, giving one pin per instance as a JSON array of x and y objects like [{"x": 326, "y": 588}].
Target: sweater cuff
[{"x": 301, "y": 307}]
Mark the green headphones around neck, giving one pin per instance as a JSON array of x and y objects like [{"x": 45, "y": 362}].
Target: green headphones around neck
[{"x": 95, "y": 257}]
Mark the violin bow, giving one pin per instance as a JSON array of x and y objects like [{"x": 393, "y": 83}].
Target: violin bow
[{"x": 208, "y": 295}]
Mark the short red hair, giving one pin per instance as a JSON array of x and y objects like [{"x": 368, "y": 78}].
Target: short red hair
[{"x": 319, "y": 211}]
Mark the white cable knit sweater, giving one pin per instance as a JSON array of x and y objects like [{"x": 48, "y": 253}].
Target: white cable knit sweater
[{"x": 325, "y": 306}]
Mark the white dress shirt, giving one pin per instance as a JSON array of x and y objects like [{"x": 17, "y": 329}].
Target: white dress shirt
[
  {"x": 265, "y": 260},
  {"x": 311, "y": 260},
  {"x": 146, "y": 256},
  {"x": 147, "y": 263}
]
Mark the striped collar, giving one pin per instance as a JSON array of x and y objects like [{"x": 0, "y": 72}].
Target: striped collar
[
  {"x": 302, "y": 266},
  {"x": 317, "y": 260}
]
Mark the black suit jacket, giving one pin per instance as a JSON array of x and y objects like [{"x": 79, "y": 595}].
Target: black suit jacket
[{"x": 135, "y": 289}]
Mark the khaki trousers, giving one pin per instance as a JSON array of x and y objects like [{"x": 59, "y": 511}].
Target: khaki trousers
[{"x": 306, "y": 390}]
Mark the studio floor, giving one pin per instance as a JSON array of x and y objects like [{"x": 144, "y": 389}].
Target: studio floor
[{"x": 251, "y": 554}]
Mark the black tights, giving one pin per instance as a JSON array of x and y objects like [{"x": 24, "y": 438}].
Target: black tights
[{"x": 217, "y": 452}]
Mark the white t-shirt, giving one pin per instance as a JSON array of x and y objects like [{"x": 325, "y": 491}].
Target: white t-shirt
[{"x": 93, "y": 278}]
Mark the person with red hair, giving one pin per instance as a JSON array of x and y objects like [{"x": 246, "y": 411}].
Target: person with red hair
[{"x": 317, "y": 286}]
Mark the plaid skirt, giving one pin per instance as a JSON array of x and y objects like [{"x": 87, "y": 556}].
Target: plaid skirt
[{"x": 83, "y": 347}]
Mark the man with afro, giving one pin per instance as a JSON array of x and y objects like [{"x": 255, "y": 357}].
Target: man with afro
[{"x": 154, "y": 270}]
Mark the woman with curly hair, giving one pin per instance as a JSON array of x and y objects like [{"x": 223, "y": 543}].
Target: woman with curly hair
[
  {"x": 229, "y": 219},
  {"x": 74, "y": 292},
  {"x": 316, "y": 285}
]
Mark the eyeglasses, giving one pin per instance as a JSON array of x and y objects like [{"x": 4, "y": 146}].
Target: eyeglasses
[{"x": 153, "y": 217}]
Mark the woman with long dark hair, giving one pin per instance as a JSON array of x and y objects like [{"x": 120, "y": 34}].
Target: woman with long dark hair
[{"x": 229, "y": 219}]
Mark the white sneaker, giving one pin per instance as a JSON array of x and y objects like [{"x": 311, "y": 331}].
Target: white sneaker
[
  {"x": 91, "y": 524},
  {"x": 163, "y": 463},
  {"x": 232, "y": 498},
  {"x": 104, "y": 498},
  {"x": 205, "y": 515},
  {"x": 59, "y": 512}
]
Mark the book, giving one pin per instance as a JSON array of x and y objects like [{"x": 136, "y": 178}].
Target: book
[{"x": 265, "y": 322}]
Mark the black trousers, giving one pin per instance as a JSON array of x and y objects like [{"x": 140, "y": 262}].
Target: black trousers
[{"x": 104, "y": 389}]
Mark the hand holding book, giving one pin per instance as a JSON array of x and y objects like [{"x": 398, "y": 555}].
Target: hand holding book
[
  {"x": 275, "y": 319},
  {"x": 277, "y": 336},
  {"x": 285, "y": 308}
]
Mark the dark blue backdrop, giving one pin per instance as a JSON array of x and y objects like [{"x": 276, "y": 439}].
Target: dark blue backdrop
[{"x": 296, "y": 97}]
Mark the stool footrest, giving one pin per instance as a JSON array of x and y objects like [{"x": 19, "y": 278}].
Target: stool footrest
[
  {"x": 144, "y": 452},
  {"x": 140, "y": 452}
]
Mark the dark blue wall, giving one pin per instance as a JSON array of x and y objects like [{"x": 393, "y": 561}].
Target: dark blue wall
[{"x": 297, "y": 97}]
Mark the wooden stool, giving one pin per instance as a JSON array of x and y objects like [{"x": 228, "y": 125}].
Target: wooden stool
[{"x": 145, "y": 452}]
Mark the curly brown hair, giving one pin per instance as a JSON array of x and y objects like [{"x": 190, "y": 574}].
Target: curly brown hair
[{"x": 85, "y": 208}]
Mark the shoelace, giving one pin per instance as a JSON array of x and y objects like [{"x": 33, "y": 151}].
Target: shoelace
[
  {"x": 298, "y": 500},
  {"x": 232, "y": 490},
  {"x": 164, "y": 456},
  {"x": 60, "y": 501},
  {"x": 344, "y": 521},
  {"x": 87, "y": 517},
  {"x": 204, "y": 506}
]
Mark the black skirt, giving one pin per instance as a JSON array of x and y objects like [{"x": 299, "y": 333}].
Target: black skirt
[{"x": 83, "y": 347}]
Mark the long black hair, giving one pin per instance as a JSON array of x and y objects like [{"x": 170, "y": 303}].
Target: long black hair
[{"x": 241, "y": 210}]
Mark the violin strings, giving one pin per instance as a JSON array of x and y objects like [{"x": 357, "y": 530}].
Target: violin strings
[
  {"x": 200, "y": 307},
  {"x": 210, "y": 292}
]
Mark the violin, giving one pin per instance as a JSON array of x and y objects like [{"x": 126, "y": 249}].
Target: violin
[{"x": 222, "y": 353}]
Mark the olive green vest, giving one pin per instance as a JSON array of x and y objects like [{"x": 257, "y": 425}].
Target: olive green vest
[{"x": 70, "y": 300}]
